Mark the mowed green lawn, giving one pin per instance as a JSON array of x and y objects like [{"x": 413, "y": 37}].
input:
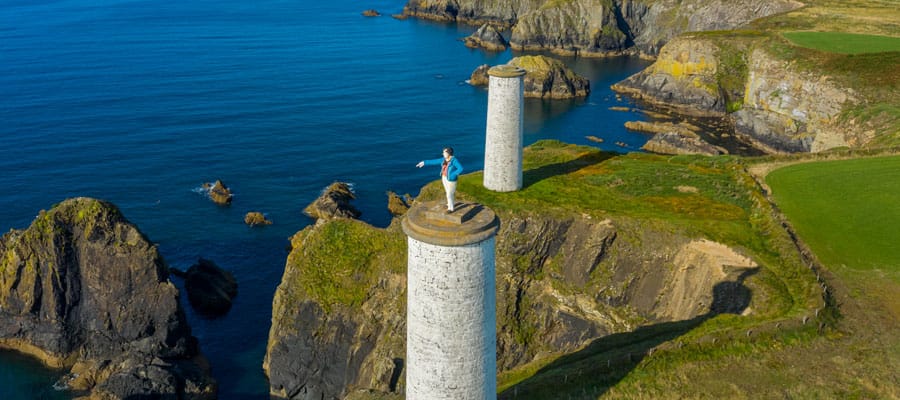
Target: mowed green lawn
[
  {"x": 847, "y": 211},
  {"x": 844, "y": 43}
]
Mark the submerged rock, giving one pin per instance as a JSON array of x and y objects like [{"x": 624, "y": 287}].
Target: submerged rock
[
  {"x": 210, "y": 289},
  {"x": 218, "y": 192},
  {"x": 83, "y": 289},
  {"x": 333, "y": 203},
  {"x": 255, "y": 218},
  {"x": 545, "y": 78},
  {"x": 488, "y": 38}
]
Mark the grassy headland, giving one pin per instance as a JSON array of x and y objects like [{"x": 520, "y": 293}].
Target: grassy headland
[{"x": 710, "y": 197}]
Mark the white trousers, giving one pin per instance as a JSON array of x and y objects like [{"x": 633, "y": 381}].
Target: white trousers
[{"x": 450, "y": 189}]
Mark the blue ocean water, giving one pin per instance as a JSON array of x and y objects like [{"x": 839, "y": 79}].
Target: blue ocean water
[{"x": 140, "y": 101}]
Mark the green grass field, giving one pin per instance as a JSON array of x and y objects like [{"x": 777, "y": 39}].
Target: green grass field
[
  {"x": 847, "y": 211},
  {"x": 844, "y": 43}
]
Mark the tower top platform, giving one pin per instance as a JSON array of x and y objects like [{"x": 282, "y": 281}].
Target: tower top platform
[
  {"x": 506, "y": 71},
  {"x": 470, "y": 223}
]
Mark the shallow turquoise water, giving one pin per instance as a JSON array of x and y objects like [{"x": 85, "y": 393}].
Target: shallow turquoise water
[{"x": 139, "y": 102}]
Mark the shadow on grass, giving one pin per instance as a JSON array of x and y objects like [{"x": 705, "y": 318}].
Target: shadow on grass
[
  {"x": 591, "y": 371},
  {"x": 535, "y": 175}
]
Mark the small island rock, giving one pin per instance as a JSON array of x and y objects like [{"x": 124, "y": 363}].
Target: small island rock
[
  {"x": 210, "y": 289},
  {"x": 371, "y": 13},
  {"x": 255, "y": 218},
  {"x": 218, "y": 192},
  {"x": 545, "y": 77},
  {"x": 333, "y": 203},
  {"x": 488, "y": 38}
]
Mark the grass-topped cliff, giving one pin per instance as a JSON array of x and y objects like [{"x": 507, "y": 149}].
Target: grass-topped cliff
[
  {"x": 792, "y": 82},
  {"x": 621, "y": 275}
]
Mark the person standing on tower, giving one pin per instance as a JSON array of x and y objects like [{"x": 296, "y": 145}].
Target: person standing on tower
[{"x": 450, "y": 170}]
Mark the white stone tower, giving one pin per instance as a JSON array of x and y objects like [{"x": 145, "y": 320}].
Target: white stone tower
[
  {"x": 503, "y": 146},
  {"x": 451, "y": 333}
]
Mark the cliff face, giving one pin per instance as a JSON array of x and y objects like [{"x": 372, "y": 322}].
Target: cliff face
[
  {"x": 774, "y": 104},
  {"x": 570, "y": 27},
  {"x": 561, "y": 281},
  {"x": 599, "y": 27},
  {"x": 684, "y": 77},
  {"x": 82, "y": 288},
  {"x": 787, "y": 109},
  {"x": 545, "y": 77}
]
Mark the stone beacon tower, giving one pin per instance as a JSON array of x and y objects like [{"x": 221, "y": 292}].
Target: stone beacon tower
[
  {"x": 503, "y": 145},
  {"x": 451, "y": 333}
]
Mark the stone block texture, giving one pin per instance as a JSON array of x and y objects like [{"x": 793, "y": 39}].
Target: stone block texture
[
  {"x": 503, "y": 144},
  {"x": 451, "y": 322}
]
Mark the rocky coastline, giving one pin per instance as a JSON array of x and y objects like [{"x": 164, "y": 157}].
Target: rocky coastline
[{"x": 597, "y": 27}]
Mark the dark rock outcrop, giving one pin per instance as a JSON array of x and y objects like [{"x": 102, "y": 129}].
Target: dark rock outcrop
[
  {"x": 333, "y": 203},
  {"x": 254, "y": 218},
  {"x": 210, "y": 289},
  {"x": 218, "y": 192},
  {"x": 371, "y": 13},
  {"x": 488, "y": 38},
  {"x": 83, "y": 289},
  {"x": 545, "y": 77}
]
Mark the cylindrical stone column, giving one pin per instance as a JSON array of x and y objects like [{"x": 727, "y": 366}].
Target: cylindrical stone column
[
  {"x": 505, "y": 118},
  {"x": 451, "y": 334}
]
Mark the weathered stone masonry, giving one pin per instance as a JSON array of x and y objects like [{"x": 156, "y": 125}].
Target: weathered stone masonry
[
  {"x": 505, "y": 119},
  {"x": 451, "y": 312}
]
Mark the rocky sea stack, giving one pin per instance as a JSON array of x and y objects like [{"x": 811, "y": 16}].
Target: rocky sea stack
[
  {"x": 83, "y": 289},
  {"x": 546, "y": 78},
  {"x": 218, "y": 192},
  {"x": 255, "y": 218},
  {"x": 333, "y": 203}
]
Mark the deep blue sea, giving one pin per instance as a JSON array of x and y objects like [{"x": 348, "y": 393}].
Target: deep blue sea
[{"x": 140, "y": 102}]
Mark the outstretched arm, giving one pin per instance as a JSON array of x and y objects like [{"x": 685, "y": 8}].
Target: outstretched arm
[{"x": 436, "y": 161}]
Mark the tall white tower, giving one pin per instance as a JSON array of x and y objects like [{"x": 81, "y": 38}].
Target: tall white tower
[
  {"x": 451, "y": 333},
  {"x": 503, "y": 145}
]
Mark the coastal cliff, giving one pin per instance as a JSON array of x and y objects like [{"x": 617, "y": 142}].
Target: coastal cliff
[
  {"x": 779, "y": 97},
  {"x": 83, "y": 289},
  {"x": 598, "y": 27},
  {"x": 581, "y": 269}
]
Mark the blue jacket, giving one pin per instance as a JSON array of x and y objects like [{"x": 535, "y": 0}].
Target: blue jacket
[{"x": 453, "y": 170}]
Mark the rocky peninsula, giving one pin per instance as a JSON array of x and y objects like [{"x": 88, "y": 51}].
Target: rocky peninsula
[{"x": 83, "y": 289}]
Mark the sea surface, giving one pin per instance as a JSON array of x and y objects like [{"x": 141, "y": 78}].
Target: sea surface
[{"x": 140, "y": 102}]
